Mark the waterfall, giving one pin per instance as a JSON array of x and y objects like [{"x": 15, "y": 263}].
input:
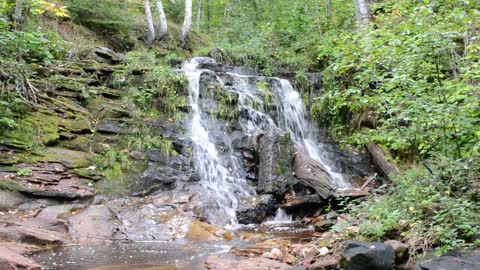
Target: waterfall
[
  {"x": 221, "y": 171},
  {"x": 294, "y": 119},
  {"x": 223, "y": 183}
]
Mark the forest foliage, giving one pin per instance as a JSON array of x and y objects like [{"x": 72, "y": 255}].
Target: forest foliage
[{"x": 408, "y": 81}]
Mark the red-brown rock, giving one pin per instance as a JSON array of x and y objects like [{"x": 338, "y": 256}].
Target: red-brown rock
[{"x": 9, "y": 260}]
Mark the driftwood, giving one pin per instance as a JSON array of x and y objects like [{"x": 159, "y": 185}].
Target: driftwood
[
  {"x": 380, "y": 160},
  {"x": 313, "y": 174}
]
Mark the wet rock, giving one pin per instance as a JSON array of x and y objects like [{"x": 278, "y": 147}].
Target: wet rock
[
  {"x": 11, "y": 199},
  {"x": 31, "y": 235},
  {"x": 57, "y": 211},
  {"x": 113, "y": 127},
  {"x": 106, "y": 56},
  {"x": 146, "y": 221},
  {"x": 215, "y": 67},
  {"x": 94, "y": 224},
  {"x": 276, "y": 155},
  {"x": 401, "y": 250},
  {"x": 360, "y": 255},
  {"x": 215, "y": 262},
  {"x": 256, "y": 209},
  {"x": 453, "y": 260},
  {"x": 313, "y": 174},
  {"x": 200, "y": 231},
  {"x": 10, "y": 260}
]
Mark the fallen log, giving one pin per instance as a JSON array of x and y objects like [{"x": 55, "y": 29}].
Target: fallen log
[
  {"x": 313, "y": 174},
  {"x": 380, "y": 160}
]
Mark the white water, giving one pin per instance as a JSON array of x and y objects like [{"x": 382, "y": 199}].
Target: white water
[
  {"x": 294, "y": 118},
  {"x": 224, "y": 183},
  {"x": 222, "y": 174}
]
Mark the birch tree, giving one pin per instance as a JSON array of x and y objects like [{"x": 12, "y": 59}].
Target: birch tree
[
  {"x": 362, "y": 12},
  {"x": 151, "y": 27},
  {"x": 199, "y": 14},
  {"x": 187, "y": 22},
  {"x": 163, "y": 19},
  {"x": 328, "y": 8}
]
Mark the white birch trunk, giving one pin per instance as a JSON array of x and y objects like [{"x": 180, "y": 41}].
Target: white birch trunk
[
  {"x": 328, "y": 8},
  {"x": 187, "y": 23},
  {"x": 199, "y": 14},
  {"x": 151, "y": 27},
  {"x": 163, "y": 19},
  {"x": 362, "y": 12},
  {"x": 17, "y": 15}
]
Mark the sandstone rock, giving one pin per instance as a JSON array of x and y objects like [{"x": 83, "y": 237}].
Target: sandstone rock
[
  {"x": 31, "y": 235},
  {"x": 94, "y": 224},
  {"x": 11, "y": 199},
  {"x": 360, "y": 255},
  {"x": 106, "y": 56},
  {"x": 10, "y": 260},
  {"x": 329, "y": 262},
  {"x": 256, "y": 209},
  {"x": 200, "y": 231},
  {"x": 214, "y": 262},
  {"x": 401, "y": 250}
]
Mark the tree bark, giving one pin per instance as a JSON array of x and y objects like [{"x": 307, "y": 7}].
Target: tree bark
[
  {"x": 314, "y": 175},
  {"x": 17, "y": 15},
  {"x": 187, "y": 22},
  {"x": 328, "y": 8},
  {"x": 362, "y": 12},
  {"x": 380, "y": 160},
  {"x": 151, "y": 27},
  {"x": 163, "y": 19},
  {"x": 199, "y": 14}
]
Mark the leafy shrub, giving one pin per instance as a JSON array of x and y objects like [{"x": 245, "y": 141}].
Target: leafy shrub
[{"x": 435, "y": 206}]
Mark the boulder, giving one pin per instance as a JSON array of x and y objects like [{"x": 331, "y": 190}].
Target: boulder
[
  {"x": 11, "y": 199},
  {"x": 313, "y": 174},
  {"x": 360, "y": 255},
  {"x": 453, "y": 260},
  {"x": 256, "y": 209},
  {"x": 10, "y": 260},
  {"x": 106, "y": 56},
  {"x": 276, "y": 154},
  {"x": 95, "y": 224}
]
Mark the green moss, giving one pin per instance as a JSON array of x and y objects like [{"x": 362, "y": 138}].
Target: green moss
[{"x": 36, "y": 129}]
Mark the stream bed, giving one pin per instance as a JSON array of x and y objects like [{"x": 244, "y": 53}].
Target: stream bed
[{"x": 164, "y": 255}]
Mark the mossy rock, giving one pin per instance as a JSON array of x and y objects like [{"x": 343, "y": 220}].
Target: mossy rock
[{"x": 35, "y": 129}]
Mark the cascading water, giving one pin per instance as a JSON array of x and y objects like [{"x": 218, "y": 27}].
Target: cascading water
[
  {"x": 294, "y": 119},
  {"x": 220, "y": 171},
  {"x": 226, "y": 185}
]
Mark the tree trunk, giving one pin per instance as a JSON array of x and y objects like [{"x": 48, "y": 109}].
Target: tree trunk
[
  {"x": 187, "y": 22},
  {"x": 163, "y": 19},
  {"x": 208, "y": 16},
  {"x": 314, "y": 175},
  {"x": 380, "y": 160},
  {"x": 151, "y": 27},
  {"x": 199, "y": 14},
  {"x": 362, "y": 12},
  {"x": 17, "y": 15},
  {"x": 328, "y": 8}
]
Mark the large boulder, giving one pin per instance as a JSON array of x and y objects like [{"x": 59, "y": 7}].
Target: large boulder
[
  {"x": 276, "y": 154},
  {"x": 256, "y": 209},
  {"x": 106, "y": 56},
  {"x": 313, "y": 174},
  {"x": 360, "y": 255},
  {"x": 11, "y": 199},
  {"x": 454, "y": 260},
  {"x": 95, "y": 224}
]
